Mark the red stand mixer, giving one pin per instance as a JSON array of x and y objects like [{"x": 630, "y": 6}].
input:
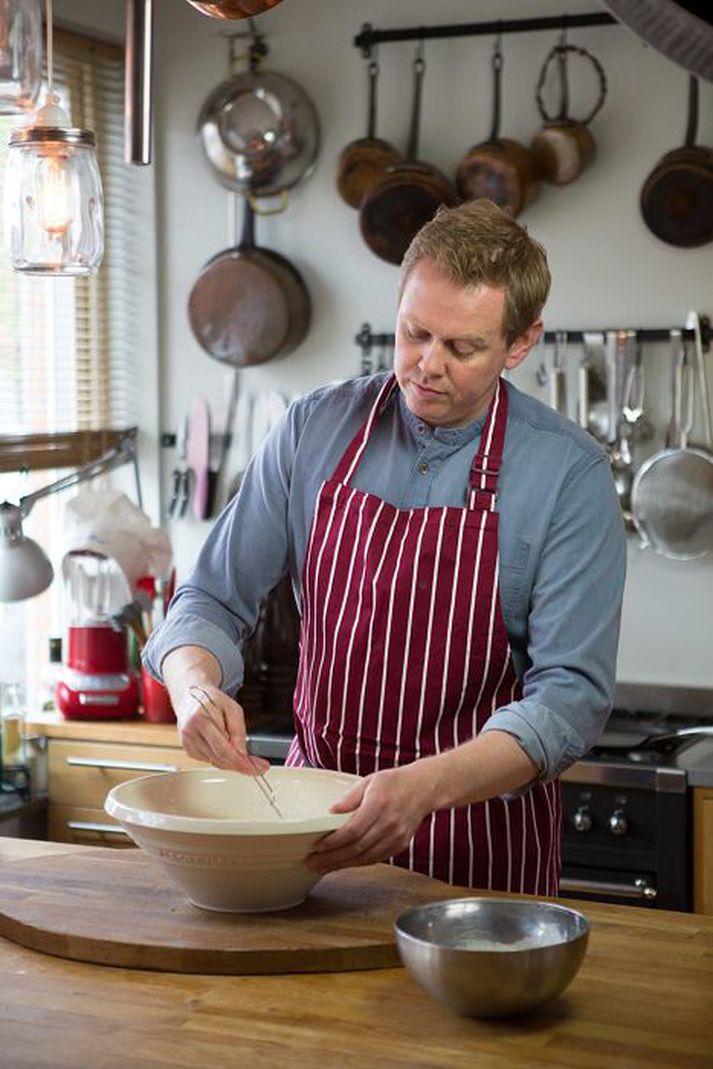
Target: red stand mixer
[{"x": 97, "y": 681}]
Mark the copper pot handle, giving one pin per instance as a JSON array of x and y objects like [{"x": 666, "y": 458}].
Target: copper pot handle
[{"x": 560, "y": 52}]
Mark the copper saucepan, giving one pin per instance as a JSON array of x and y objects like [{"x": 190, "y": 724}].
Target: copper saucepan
[
  {"x": 408, "y": 196},
  {"x": 565, "y": 146},
  {"x": 362, "y": 164},
  {"x": 677, "y": 197},
  {"x": 499, "y": 169}
]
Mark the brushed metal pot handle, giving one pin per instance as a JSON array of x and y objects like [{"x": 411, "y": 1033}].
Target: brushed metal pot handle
[
  {"x": 91, "y": 825},
  {"x": 116, "y": 763}
]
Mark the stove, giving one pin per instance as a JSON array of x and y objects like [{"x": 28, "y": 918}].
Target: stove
[{"x": 627, "y": 827}]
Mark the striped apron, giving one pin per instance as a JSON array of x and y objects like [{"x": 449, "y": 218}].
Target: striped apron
[{"x": 404, "y": 654}]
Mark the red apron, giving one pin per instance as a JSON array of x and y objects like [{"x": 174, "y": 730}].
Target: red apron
[{"x": 404, "y": 654}]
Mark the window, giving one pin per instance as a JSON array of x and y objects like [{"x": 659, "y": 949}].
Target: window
[{"x": 68, "y": 346}]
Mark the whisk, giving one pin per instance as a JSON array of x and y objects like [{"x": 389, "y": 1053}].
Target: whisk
[{"x": 204, "y": 700}]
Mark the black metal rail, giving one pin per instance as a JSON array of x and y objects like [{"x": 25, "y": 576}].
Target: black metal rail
[
  {"x": 368, "y": 37},
  {"x": 366, "y": 339}
]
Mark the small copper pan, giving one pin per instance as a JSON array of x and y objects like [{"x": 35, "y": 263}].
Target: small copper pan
[
  {"x": 408, "y": 196},
  {"x": 363, "y": 163},
  {"x": 500, "y": 169}
]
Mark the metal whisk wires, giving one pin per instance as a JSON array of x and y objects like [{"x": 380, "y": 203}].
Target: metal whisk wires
[{"x": 204, "y": 700}]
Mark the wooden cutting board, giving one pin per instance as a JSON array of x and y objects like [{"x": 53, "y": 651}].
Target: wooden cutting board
[{"x": 117, "y": 907}]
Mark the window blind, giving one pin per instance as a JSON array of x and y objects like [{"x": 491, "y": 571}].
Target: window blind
[
  {"x": 68, "y": 346},
  {"x": 67, "y": 355}
]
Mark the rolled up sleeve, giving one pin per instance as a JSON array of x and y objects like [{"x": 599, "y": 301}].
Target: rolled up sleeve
[
  {"x": 574, "y": 619},
  {"x": 241, "y": 560}
]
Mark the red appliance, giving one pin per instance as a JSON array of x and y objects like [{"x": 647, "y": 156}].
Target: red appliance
[{"x": 96, "y": 682}]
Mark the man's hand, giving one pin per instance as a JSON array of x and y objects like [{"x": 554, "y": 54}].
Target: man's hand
[
  {"x": 211, "y": 727},
  {"x": 388, "y": 807}
]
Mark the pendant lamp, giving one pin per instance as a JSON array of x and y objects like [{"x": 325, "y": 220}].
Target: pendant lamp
[
  {"x": 54, "y": 210},
  {"x": 20, "y": 55}
]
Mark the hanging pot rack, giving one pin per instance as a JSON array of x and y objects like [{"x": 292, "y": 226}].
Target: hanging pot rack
[
  {"x": 366, "y": 339},
  {"x": 369, "y": 37}
]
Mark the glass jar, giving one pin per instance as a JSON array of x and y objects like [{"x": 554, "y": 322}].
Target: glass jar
[
  {"x": 54, "y": 208},
  {"x": 20, "y": 55},
  {"x": 12, "y": 725}
]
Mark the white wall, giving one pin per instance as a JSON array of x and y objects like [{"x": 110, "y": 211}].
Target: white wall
[{"x": 609, "y": 271}]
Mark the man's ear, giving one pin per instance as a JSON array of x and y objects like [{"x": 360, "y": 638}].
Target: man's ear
[{"x": 523, "y": 344}]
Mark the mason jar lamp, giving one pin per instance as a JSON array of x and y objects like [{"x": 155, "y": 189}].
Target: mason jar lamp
[{"x": 54, "y": 210}]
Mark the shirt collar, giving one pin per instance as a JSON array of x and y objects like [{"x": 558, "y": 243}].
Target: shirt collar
[{"x": 452, "y": 436}]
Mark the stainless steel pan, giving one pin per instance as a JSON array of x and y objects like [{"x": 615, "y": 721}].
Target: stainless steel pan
[
  {"x": 259, "y": 132},
  {"x": 672, "y": 493}
]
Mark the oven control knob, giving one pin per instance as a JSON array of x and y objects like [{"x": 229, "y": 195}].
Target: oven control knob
[
  {"x": 617, "y": 823},
  {"x": 582, "y": 819}
]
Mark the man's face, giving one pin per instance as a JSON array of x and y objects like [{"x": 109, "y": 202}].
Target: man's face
[{"x": 450, "y": 349}]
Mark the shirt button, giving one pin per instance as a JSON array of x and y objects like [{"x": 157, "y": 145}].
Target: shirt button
[{"x": 423, "y": 467}]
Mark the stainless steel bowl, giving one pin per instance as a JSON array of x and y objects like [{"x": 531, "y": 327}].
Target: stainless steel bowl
[{"x": 492, "y": 957}]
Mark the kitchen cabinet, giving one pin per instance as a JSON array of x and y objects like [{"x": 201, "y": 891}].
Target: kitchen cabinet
[
  {"x": 703, "y": 849},
  {"x": 85, "y": 759}
]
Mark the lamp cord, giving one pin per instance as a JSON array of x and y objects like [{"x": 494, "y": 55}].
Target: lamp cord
[{"x": 50, "y": 57}]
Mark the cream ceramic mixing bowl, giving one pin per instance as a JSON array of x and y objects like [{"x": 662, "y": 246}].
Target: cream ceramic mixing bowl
[{"x": 219, "y": 839}]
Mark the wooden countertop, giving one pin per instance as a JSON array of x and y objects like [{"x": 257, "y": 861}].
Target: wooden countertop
[
  {"x": 642, "y": 999},
  {"x": 54, "y": 726}
]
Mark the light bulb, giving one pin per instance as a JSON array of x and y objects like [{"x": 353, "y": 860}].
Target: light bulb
[{"x": 53, "y": 204}]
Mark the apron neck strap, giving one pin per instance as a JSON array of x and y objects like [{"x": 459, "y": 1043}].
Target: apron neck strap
[
  {"x": 485, "y": 469},
  {"x": 349, "y": 462}
]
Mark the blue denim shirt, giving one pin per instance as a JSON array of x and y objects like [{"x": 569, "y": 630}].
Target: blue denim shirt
[{"x": 562, "y": 548}]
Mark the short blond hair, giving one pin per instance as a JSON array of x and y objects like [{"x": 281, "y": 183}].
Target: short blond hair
[{"x": 478, "y": 244}]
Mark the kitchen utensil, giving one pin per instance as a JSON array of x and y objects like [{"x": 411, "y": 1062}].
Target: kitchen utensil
[
  {"x": 198, "y": 456},
  {"x": 259, "y": 132},
  {"x": 180, "y": 476},
  {"x": 668, "y": 742},
  {"x": 249, "y": 304},
  {"x": 223, "y": 446},
  {"x": 492, "y": 957},
  {"x": 621, "y": 457},
  {"x": 346, "y": 923},
  {"x": 222, "y": 842},
  {"x": 500, "y": 169},
  {"x": 557, "y": 376},
  {"x": 617, "y": 364},
  {"x": 677, "y": 198},
  {"x": 672, "y": 493},
  {"x": 233, "y": 9},
  {"x": 565, "y": 146},
  {"x": 693, "y": 323},
  {"x": 209, "y": 707},
  {"x": 593, "y": 409},
  {"x": 244, "y": 421},
  {"x": 363, "y": 163},
  {"x": 408, "y": 196}
]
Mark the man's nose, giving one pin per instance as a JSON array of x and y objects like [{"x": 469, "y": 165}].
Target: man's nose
[{"x": 431, "y": 359}]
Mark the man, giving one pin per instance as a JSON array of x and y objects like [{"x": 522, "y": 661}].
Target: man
[{"x": 458, "y": 555}]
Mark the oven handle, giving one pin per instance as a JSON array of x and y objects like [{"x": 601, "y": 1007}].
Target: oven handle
[{"x": 640, "y": 888}]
